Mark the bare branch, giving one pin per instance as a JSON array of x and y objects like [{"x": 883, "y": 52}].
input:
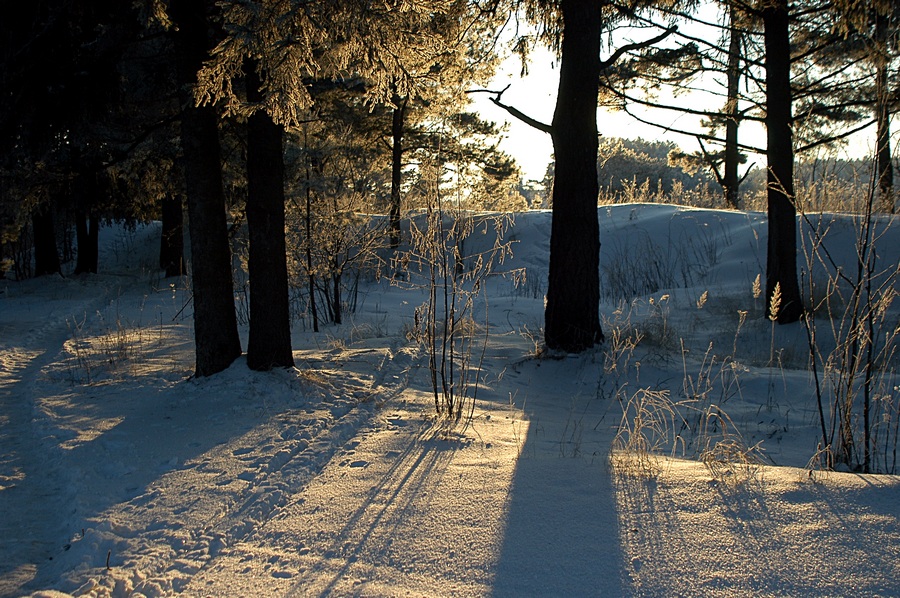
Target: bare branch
[
  {"x": 696, "y": 135},
  {"x": 514, "y": 111},
  {"x": 712, "y": 163},
  {"x": 636, "y": 46},
  {"x": 832, "y": 138}
]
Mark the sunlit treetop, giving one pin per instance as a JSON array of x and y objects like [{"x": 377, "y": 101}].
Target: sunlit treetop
[{"x": 394, "y": 46}]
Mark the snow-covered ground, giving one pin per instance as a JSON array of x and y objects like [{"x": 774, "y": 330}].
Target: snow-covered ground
[{"x": 120, "y": 475}]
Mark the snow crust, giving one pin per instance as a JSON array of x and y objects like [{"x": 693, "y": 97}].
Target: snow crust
[{"x": 121, "y": 475}]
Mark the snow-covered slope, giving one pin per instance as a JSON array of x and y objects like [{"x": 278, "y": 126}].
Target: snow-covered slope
[{"x": 120, "y": 475}]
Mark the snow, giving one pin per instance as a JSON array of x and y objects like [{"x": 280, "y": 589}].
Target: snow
[{"x": 121, "y": 475}]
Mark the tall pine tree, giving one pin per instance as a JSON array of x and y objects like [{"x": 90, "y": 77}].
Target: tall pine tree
[{"x": 215, "y": 323}]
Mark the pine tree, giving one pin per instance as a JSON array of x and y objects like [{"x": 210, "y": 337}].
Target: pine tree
[
  {"x": 781, "y": 257},
  {"x": 58, "y": 61},
  {"x": 269, "y": 343},
  {"x": 396, "y": 51},
  {"x": 171, "y": 246},
  {"x": 572, "y": 316},
  {"x": 574, "y": 28},
  {"x": 215, "y": 323}
]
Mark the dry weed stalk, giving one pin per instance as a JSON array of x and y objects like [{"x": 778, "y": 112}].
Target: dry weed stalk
[
  {"x": 724, "y": 451},
  {"x": 853, "y": 358},
  {"x": 648, "y": 428}
]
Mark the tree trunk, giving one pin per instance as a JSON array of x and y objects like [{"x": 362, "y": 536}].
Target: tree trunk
[
  {"x": 730, "y": 180},
  {"x": 571, "y": 317},
  {"x": 309, "y": 259},
  {"x": 269, "y": 343},
  {"x": 171, "y": 245},
  {"x": 215, "y": 323},
  {"x": 781, "y": 260},
  {"x": 885, "y": 167},
  {"x": 84, "y": 196},
  {"x": 46, "y": 255},
  {"x": 396, "y": 168},
  {"x": 337, "y": 306},
  {"x": 88, "y": 239}
]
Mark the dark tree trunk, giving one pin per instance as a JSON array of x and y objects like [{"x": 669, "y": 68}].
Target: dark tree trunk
[
  {"x": 396, "y": 168},
  {"x": 269, "y": 343},
  {"x": 730, "y": 180},
  {"x": 84, "y": 196},
  {"x": 88, "y": 240},
  {"x": 171, "y": 245},
  {"x": 309, "y": 260},
  {"x": 215, "y": 323},
  {"x": 884, "y": 163},
  {"x": 337, "y": 308},
  {"x": 46, "y": 255},
  {"x": 781, "y": 260},
  {"x": 572, "y": 318}
]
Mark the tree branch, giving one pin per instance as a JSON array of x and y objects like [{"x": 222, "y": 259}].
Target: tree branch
[
  {"x": 683, "y": 109},
  {"x": 540, "y": 126},
  {"x": 694, "y": 134},
  {"x": 712, "y": 163},
  {"x": 832, "y": 138},
  {"x": 605, "y": 64},
  {"x": 124, "y": 153},
  {"x": 514, "y": 111}
]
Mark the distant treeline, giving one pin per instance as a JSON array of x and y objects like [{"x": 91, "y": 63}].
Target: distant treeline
[{"x": 632, "y": 170}]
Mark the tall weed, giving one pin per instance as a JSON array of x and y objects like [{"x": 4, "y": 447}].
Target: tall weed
[
  {"x": 447, "y": 263},
  {"x": 853, "y": 341}
]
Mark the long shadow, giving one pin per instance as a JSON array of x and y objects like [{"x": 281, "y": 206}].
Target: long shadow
[
  {"x": 24, "y": 482},
  {"x": 37, "y": 499},
  {"x": 178, "y": 427},
  {"x": 47, "y": 515},
  {"x": 424, "y": 462},
  {"x": 562, "y": 532}
]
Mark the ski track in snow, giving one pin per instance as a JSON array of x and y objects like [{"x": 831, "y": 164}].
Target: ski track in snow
[
  {"x": 165, "y": 535},
  {"x": 28, "y": 345}
]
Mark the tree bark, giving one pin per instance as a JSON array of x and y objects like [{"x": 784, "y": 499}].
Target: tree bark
[
  {"x": 571, "y": 317},
  {"x": 397, "y": 123},
  {"x": 269, "y": 343},
  {"x": 171, "y": 244},
  {"x": 730, "y": 180},
  {"x": 84, "y": 197},
  {"x": 88, "y": 240},
  {"x": 884, "y": 163},
  {"x": 781, "y": 260},
  {"x": 46, "y": 255},
  {"x": 215, "y": 324},
  {"x": 309, "y": 241}
]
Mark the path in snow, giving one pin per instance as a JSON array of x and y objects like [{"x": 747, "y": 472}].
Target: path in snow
[
  {"x": 228, "y": 461},
  {"x": 33, "y": 329}
]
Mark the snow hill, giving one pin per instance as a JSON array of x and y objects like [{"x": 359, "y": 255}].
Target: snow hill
[{"x": 121, "y": 475}]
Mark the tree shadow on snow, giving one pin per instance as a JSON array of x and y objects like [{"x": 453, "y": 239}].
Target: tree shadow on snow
[{"x": 562, "y": 531}]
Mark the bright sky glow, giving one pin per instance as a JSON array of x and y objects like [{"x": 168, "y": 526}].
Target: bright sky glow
[{"x": 535, "y": 95}]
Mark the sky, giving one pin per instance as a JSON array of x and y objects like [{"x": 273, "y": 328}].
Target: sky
[{"x": 535, "y": 95}]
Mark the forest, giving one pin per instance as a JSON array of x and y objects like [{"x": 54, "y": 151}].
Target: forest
[
  {"x": 254, "y": 113},
  {"x": 284, "y": 220}
]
